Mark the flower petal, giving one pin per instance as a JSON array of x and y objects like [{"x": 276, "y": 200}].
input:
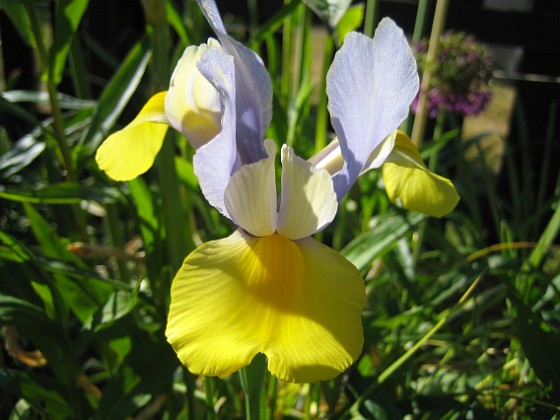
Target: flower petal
[
  {"x": 215, "y": 162},
  {"x": 192, "y": 105},
  {"x": 250, "y": 196},
  {"x": 130, "y": 152},
  {"x": 299, "y": 303},
  {"x": 408, "y": 181},
  {"x": 308, "y": 202},
  {"x": 370, "y": 86},
  {"x": 253, "y": 85},
  {"x": 330, "y": 158}
]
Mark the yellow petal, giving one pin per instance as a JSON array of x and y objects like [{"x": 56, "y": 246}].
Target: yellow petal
[
  {"x": 131, "y": 151},
  {"x": 250, "y": 196},
  {"x": 298, "y": 302},
  {"x": 409, "y": 182},
  {"x": 308, "y": 202}
]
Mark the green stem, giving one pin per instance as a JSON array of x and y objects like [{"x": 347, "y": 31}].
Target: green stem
[
  {"x": 190, "y": 381},
  {"x": 322, "y": 114},
  {"x": 422, "y": 110},
  {"x": 252, "y": 379},
  {"x": 178, "y": 238},
  {"x": 117, "y": 240},
  {"x": 421, "y": 20},
  {"x": 209, "y": 391},
  {"x": 66, "y": 156},
  {"x": 371, "y": 16}
]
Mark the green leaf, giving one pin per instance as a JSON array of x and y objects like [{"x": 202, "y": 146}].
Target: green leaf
[
  {"x": 43, "y": 393},
  {"x": 34, "y": 324},
  {"x": 50, "y": 242},
  {"x": 176, "y": 21},
  {"x": 351, "y": 21},
  {"x": 118, "y": 92},
  {"x": 24, "y": 152},
  {"x": 146, "y": 370},
  {"x": 540, "y": 343},
  {"x": 387, "y": 230},
  {"x": 118, "y": 305},
  {"x": 68, "y": 16},
  {"x": 82, "y": 296},
  {"x": 62, "y": 193},
  {"x": 149, "y": 220},
  {"x": 185, "y": 172},
  {"x": 42, "y": 98},
  {"x": 330, "y": 11},
  {"x": 15, "y": 9}
]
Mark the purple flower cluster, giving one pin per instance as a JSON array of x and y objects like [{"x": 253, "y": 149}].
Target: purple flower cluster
[{"x": 460, "y": 77}]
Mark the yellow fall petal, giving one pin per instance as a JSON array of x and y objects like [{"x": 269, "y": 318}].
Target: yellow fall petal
[
  {"x": 298, "y": 302},
  {"x": 408, "y": 181},
  {"x": 130, "y": 152}
]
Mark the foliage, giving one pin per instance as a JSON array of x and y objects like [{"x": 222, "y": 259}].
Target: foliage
[{"x": 462, "y": 317}]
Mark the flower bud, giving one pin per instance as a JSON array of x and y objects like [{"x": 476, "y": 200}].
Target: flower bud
[{"x": 192, "y": 105}]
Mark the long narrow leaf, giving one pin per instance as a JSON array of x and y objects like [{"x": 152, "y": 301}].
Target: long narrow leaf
[
  {"x": 118, "y": 92},
  {"x": 68, "y": 16}
]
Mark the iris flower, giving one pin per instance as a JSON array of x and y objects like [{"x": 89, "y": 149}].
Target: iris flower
[{"x": 270, "y": 287}]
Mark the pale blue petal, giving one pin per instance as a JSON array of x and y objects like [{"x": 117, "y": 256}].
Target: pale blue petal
[
  {"x": 370, "y": 86},
  {"x": 215, "y": 162},
  {"x": 253, "y": 86}
]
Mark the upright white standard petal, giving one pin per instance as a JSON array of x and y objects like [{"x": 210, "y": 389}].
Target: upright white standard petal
[
  {"x": 253, "y": 85},
  {"x": 370, "y": 86},
  {"x": 250, "y": 196},
  {"x": 192, "y": 105},
  {"x": 215, "y": 162},
  {"x": 308, "y": 202}
]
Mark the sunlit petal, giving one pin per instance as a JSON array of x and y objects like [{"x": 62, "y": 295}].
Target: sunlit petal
[
  {"x": 131, "y": 151},
  {"x": 192, "y": 104},
  {"x": 370, "y": 86},
  {"x": 254, "y": 89},
  {"x": 409, "y": 182},
  {"x": 330, "y": 158},
  {"x": 299, "y": 303},
  {"x": 215, "y": 162},
  {"x": 308, "y": 202},
  {"x": 250, "y": 197}
]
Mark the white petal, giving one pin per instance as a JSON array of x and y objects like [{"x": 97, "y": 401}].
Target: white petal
[
  {"x": 215, "y": 161},
  {"x": 254, "y": 89},
  {"x": 308, "y": 202},
  {"x": 250, "y": 197},
  {"x": 370, "y": 86}
]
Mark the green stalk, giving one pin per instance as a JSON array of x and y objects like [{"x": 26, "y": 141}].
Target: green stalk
[
  {"x": 272, "y": 391},
  {"x": 419, "y": 126},
  {"x": 252, "y": 380},
  {"x": 66, "y": 156},
  {"x": 371, "y": 17},
  {"x": 116, "y": 237},
  {"x": 322, "y": 120},
  {"x": 209, "y": 391},
  {"x": 421, "y": 20},
  {"x": 176, "y": 230}
]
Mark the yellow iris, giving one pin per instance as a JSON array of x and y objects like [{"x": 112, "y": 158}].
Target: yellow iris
[{"x": 269, "y": 287}]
